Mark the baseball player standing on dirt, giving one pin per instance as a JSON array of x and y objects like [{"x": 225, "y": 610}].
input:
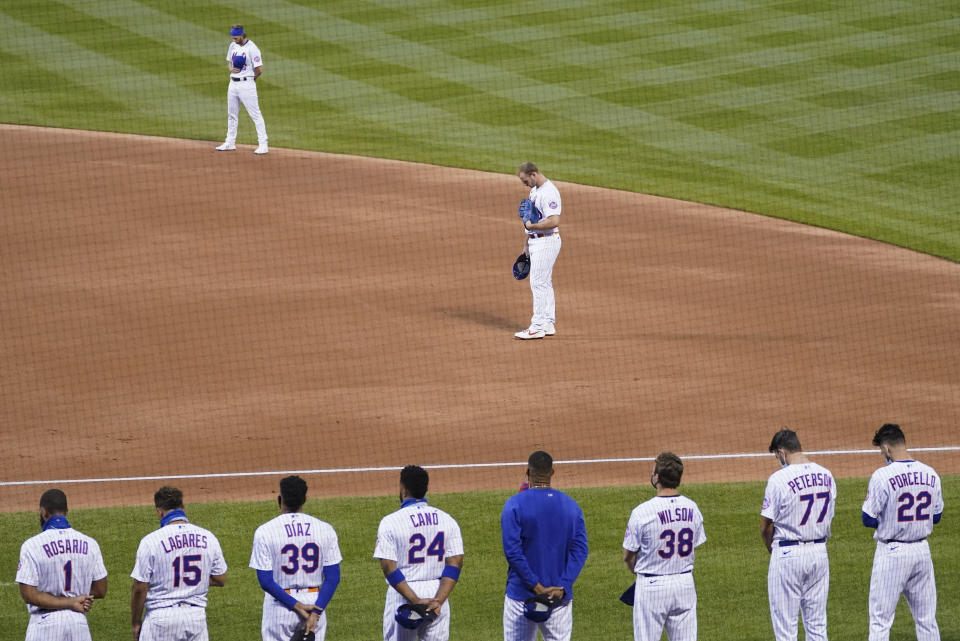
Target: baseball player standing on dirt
[
  {"x": 60, "y": 573},
  {"x": 542, "y": 244},
  {"x": 246, "y": 64},
  {"x": 420, "y": 550},
  {"x": 175, "y": 567},
  {"x": 545, "y": 542},
  {"x": 904, "y": 501},
  {"x": 658, "y": 547},
  {"x": 797, "y": 510},
  {"x": 297, "y": 559}
]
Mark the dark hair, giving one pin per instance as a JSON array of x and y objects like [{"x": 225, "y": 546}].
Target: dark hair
[
  {"x": 415, "y": 479},
  {"x": 527, "y": 168},
  {"x": 168, "y": 498},
  {"x": 54, "y": 501},
  {"x": 889, "y": 433},
  {"x": 669, "y": 468},
  {"x": 293, "y": 491},
  {"x": 787, "y": 440},
  {"x": 540, "y": 463}
]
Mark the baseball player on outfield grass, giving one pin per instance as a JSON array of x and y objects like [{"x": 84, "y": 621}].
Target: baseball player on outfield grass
[
  {"x": 420, "y": 550},
  {"x": 60, "y": 573},
  {"x": 297, "y": 559},
  {"x": 542, "y": 244},
  {"x": 797, "y": 510},
  {"x": 246, "y": 64},
  {"x": 904, "y": 501},
  {"x": 175, "y": 567},
  {"x": 545, "y": 542},
  {"x": 658, "y": 547}
]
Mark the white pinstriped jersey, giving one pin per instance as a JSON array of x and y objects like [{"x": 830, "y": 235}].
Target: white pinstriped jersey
[
  {"x": 903, "y": 496},
  {"x": 418, "y": 537},
  {"x": 176, "y": 561},
  {"x": 799, "y": 499},
  {"x": 664, "y": 531},
  {"x": 62, "y": 562},
  {"x": 251, "y": 52},
  {"x": 295, "y": 546},
  {"x": 546, "y": 197}
]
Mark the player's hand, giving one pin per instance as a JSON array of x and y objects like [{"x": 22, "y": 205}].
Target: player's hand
[
  {"x": 136, "y": 631},
  {"x": 303, "y": 610},
  {"x": 81, "y": 603},
  {"x": 555, "y": 592},
  {"x": 312, "y": 621}
]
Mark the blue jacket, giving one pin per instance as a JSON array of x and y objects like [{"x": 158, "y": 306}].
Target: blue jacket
[{"x": 544, "y": 540}]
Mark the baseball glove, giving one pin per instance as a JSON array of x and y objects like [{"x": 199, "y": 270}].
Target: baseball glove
[
  {"x": 239, "y": 61},
  {"x": 521, "y": 267},
  {"x": 540, "y": 607},
  {"x": 528, "y": 211},
  {"x": 301, "y": 634},
  {"x": 412, "y": 615}
]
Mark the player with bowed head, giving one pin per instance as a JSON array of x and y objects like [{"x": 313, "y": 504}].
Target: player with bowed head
[
  {"x": 420, "y": 550},
  {"x": 545, "y": 542},
  {"x": 659, "y": 547},
  {"x": 542, "y": 244},
  {"x": 61, "y": 572},
  {"x": 796, "y": 514},
  {"x": 904, "y": 501},
  {"x": 174, "y": 569},
  {"x": 297, "y": 559},
  {"x": 246, "y": 64}
]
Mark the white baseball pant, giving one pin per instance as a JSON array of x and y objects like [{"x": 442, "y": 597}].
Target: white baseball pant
[
  {"x": 178, "y": 623},
  {"x": 903, "y": 568},
  {"x": 798, "y": 579},
  {"x": 244, "y": 92},
  {"x": 438, "y": 630},
  {"x": 516, "y": 627},
  {"x": 278, "y": 623},
  {"x": 543, "y": 255},
  {"x": 669, "y": 602},
  {"x": 63, "y": 625}
]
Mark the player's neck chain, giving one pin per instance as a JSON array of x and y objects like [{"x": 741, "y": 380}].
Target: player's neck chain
[{"x": 534, "y": 486}]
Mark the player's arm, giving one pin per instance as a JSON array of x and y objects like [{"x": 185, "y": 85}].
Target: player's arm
[
  {"x": 766, "y": 532},
  {"x": 395, "y": 578},
  {"x": 577, "y": 552},
  {"x": 448, "y": 581},
  {"x": 218, "y": 581},
  {"x": 513, "y": 548},
  {"x": 46, "y": 601},
  {"x": 630, "y": 558},
  {"x": 547, "y": 223},
  {"x": 98, "y": 589},
  {"x": 138, "y": 597},
  {"x": 257, "y": 71}
]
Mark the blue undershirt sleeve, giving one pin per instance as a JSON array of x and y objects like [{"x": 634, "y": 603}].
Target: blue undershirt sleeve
[
  {"x": 868, "y": 520},
  {"x": 513, "y": 548},
  {"x": 331, "y": 579},
  {"x": 577, "y": 555},
  {"x": 265, "y": 577}
]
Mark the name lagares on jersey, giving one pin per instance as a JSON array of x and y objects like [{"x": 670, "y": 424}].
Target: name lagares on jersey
[{"x": 177, "y": 542}]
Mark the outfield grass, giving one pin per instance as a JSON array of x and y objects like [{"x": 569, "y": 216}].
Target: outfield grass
[
  {"x": 839, "y": 114},
  {"x": 730, "y": 568}
]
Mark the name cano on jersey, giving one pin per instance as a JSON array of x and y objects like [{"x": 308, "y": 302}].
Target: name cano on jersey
[
  {"x": 424, "y": 518},
  {"x": 676, "y": 514},
  {"x": 65, "y": 546},
  {"x": 297, "y": 529},
  {"x": 817, "y": 479},
  {"x": 180, "y": 541},
  {"x": 912, "y": 478}
]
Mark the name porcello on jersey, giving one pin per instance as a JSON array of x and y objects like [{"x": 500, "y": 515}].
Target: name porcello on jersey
[
  {"x": 420, "y": 518},
  {"x": 912, "y": 478},
  {"x": 676, "y": 514},
  {"x": 180, "y": 541},
  {"x": 65, "y": 546},
  {"x": 297, "y": 529},
  {"x": 817, "y": 479}
]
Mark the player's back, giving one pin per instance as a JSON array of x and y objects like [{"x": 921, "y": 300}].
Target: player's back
[
  {"x": 176, "y": 561},
  {"x": 418, "y": 537},
  {"x": 800, "y": 500},
  {"x": 60, "y": 561},
  {"x": 295, "y": 546},
  {"x": 905, "y": 496},
  {"x": 666, "y": 531}
]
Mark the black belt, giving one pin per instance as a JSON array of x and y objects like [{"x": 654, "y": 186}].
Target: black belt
[
  {"x": 241, "y": 79},
  {"x": 900, "y": 541},
  {"x": 674, "y": 574},
  {"x": 534, "y": 235},
  {"x": 786, "y": 544}
]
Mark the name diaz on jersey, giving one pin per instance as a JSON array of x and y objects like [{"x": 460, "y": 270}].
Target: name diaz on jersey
[
  {"x": 180, "y": 541},
  {"x": 676, "y": 514},
  {"x": 65, "y": 546},
  {"x": 817, "y": 479}
]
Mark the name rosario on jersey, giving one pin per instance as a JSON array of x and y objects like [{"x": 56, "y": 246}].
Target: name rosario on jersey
[
  {"x": 66, "y": 546},
  {"x": 912, "y": 478},
  {"x": 802, "y": 482},
  {"x": 180, "y": 541},
  {"x": 676, "y": 514}
]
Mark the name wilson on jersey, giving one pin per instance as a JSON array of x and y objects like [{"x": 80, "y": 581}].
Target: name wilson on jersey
[
  {"x": 912, "y": 478},
  {"x": 676, "y": 514},
  {"x": 804, "y": 481},
  {"x": 180, "y": 541},
  {"x": 65, "y": 546}
]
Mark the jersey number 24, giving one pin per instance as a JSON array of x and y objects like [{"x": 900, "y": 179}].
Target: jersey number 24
[{"x": 418, "y": 542}]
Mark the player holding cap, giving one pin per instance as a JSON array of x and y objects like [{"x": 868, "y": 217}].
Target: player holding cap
[
  {"x": 420, "y": 550},
  {"x": 60, "y": 573},
  {"x": 297, "y": 559},
  {"x": 797, "y": 510},
  {"x": 246, "y": 64},
  {"x": 175, "y": 567},
  {"x": 904, "y": 501},
  {"x": 658, "y": 547}
]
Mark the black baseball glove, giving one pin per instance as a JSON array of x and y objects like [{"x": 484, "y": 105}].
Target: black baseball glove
[
  {"x": 301, "y": 634},
  {"x": 521, "y": 268}
]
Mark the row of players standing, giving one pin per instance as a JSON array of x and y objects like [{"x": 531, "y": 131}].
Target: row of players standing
[{"x": 420, "y": 550}]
